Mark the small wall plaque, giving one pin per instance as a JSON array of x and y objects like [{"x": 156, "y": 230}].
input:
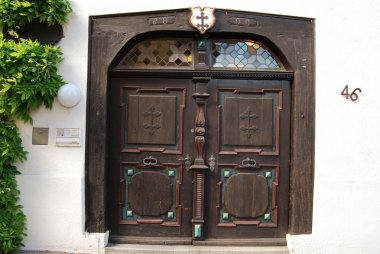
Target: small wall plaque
[
  {"x": 68, "y": 137},
  {"x": 154, "y": 21},
  {"x": 40, "y": 136},
  {"x": 240, "y": 21}
]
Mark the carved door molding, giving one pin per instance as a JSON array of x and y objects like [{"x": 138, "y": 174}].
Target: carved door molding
[{"x": 291, "y": 38}]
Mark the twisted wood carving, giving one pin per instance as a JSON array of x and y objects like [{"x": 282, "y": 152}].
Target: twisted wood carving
[{"x": 199, "y": 162}]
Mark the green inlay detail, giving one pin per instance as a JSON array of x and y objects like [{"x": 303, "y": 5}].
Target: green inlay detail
[
  {"x": 129, "y": 213},
  {"x": 225, "y": 216},
  {"x": 227, "y": 173},
  {"x": 170, "y": 215},
  {"x": 197, "y": 230},
  {"x": 202, "y": 44},
  {"x": 130, "y": 172},
  {"x": 268, "y": 174},
  {"x": 267, "y": 216},
  {"x": 171, "y": 173}
]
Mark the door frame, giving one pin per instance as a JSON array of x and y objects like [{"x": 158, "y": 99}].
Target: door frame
[{"x": 291, "y": 38}]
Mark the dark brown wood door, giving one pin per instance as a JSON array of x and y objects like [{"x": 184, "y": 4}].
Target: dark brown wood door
[
  {"x": 248, "y": 135},
  {"x": 149, "y": 188},
  {"x": 246, "y": 149}
]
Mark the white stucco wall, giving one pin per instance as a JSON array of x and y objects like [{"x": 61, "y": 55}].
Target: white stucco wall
[{"x": 347, "y": 168}]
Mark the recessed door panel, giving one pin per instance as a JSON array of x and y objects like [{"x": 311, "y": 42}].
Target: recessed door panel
[
  {"x": 152, "y": 119},
  {"x": 247, "y": 121}
]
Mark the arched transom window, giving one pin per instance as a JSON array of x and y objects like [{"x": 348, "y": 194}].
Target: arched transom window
[
  {"x": 238, "y": 54},
  {"x": 242, "y": 54}
]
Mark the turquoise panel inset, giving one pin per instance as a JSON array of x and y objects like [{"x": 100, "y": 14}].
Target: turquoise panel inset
[
  {"x": 170, "y": 215},
  {"x": 227, "y": 173},
  {"x": 197, "y": 230}
]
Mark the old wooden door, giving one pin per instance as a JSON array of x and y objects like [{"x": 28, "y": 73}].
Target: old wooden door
[
  {"x": 150, "y": 126},
  {"x": 246, "y": 192},
  {"x": 197, "y": 155}
]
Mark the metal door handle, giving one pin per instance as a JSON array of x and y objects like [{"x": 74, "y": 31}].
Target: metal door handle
[
  {"x": 149, "y": 161},
  {"x": 187, "y": 161},
  {"x": 248, "y": 163},
  {"x": 211, "y": 162}
]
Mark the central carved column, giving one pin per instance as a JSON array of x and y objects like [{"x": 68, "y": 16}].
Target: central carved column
[{"x": 199, "y": 165}]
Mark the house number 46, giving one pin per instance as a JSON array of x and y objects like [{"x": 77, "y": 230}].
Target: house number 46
[{"x": 351, "y": 96}]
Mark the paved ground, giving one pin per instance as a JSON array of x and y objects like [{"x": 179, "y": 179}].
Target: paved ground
[{"x": 175, "y": 249}]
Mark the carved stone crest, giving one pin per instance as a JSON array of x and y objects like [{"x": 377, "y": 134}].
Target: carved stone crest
[{"x": 202, "y": 18}]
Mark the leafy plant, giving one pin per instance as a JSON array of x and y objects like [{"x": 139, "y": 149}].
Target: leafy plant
[
  {"x": 28, "y": 77},
  {"x": 19, "y": 12},
  {"x": 12, "y": 219}
]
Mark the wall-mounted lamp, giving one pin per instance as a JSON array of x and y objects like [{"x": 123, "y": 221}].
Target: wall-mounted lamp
[{"x": 69, "y": 95}]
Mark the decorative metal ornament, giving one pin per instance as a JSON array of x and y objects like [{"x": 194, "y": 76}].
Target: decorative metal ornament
[
  {"x": 202, "y": 18},
  {"x": 150, "y": 161},
  {"x": 211, "y": 162}
]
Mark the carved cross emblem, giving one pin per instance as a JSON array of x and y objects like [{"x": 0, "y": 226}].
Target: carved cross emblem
[
  {"x": 248, "y": 116},
  {"x": 153, "y": 120},
  {"x": 202, "y": 19}
]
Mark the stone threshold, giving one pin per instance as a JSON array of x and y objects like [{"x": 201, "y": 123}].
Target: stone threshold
[{"x": 190, "y": 249}]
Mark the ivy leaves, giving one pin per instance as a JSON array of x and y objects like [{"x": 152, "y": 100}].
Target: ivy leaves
[
  {"x": 28, "y": 77},
  {"x": 10, "y": 144},
  {"x": 19, "y": 12},
  {"x": 12, "y": 219}
]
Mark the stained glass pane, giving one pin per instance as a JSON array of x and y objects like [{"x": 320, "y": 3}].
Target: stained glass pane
[
  {"x": 160, "y": 53},
  {"x": 246, "y": 54}
]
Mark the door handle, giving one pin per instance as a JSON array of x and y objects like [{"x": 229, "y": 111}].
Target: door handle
[
  {"x": 187, "y": 161},
  {"x": 211, "y": 162},
  {"x": 149, "y": 161},
  {"x": 248, "y": 163}
]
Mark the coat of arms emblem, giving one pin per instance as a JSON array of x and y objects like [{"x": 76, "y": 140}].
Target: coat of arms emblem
[{"x": 202, "y": 18}]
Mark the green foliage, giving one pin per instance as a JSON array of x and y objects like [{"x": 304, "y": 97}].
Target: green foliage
[
  {"x": 10, "y": 144},
  {"x": 19, "y": 12},
  {"x": 28, "y": 77},
  {"x": 12, "y": 219}
]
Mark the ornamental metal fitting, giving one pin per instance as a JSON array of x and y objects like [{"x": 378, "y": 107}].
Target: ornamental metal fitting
[
  {"x": 248, "y": 163},
  {"x": 150, "y": 161},
  {"x": 202, "y": 18}
]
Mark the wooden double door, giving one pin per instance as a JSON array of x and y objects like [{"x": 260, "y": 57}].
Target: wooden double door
[{"x": 198, "y": 159}]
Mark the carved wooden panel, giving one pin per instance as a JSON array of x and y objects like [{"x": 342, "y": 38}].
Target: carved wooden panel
[
  {"x": 152, "y": 119},
  {"x": 248, "y": 121},
  {"x": 150, "y": 193},
  {"x": 246, "y": 195}
]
